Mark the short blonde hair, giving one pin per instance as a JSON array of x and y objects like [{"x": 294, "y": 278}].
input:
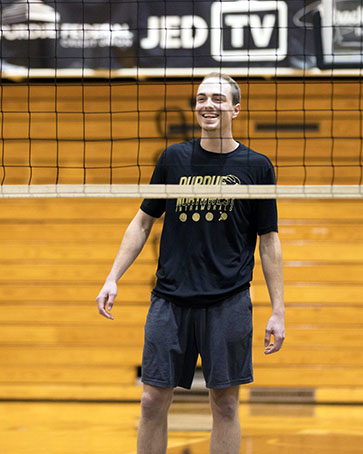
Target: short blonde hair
[{"x": 235, "y": 90}]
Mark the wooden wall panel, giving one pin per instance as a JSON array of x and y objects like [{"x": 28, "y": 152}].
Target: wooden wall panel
[
  {"x": 55, "y": 254},
  {"x": 75, "y": 134}
]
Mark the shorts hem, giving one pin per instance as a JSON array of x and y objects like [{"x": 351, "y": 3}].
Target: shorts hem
[
  {"x": 159, "y": 384},
  {"x": 243, "y": 381}
]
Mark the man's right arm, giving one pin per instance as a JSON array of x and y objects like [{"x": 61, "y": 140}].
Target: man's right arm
[{"x": 132, "y": 243}]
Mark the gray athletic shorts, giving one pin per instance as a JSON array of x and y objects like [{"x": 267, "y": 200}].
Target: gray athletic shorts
[{"x": 221, "y": 334}]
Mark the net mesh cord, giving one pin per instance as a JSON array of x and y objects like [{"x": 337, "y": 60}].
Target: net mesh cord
[{"x": 93, "y": 121}]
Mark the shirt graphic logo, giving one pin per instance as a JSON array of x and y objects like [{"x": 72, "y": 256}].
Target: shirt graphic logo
[{"x": 207, "y": 209}]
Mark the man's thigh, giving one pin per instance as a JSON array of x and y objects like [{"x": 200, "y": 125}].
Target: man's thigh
[
  {"x": 170, "y": 353},
  {"x": 225, "y": 342}
]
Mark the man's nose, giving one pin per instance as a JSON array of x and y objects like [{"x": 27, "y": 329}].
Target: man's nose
[{"x": 209, "y": 102}]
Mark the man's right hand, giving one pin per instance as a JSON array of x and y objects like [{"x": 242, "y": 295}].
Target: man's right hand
[{"x": 105, "y": 299}]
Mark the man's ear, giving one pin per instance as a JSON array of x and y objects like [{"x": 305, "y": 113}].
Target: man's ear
[{"x": 236, "y": 110}]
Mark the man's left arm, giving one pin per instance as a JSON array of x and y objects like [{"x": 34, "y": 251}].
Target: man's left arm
[{"x": 271, "y": 259}]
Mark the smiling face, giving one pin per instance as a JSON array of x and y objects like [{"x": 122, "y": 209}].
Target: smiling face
[{"x": 214, "y": 108}]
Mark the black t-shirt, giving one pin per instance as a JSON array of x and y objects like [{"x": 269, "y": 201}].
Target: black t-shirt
[{"x": 207, "y": 246}]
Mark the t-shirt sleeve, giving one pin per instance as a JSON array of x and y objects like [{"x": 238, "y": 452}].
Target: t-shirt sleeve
[
  {"x": 156, "y": 207},
  {"x": 266, "y": 209}
]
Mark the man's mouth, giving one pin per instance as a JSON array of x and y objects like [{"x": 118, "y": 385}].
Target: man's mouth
[{"x": 209, "y": 115}]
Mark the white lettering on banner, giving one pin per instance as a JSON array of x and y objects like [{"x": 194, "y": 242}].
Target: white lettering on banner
[
  {"x": 175, "y": 32},
  {"x": 29, "y": 31},
  {"x": 72, "y": 34},
  {"x": 348, "y": 17},
  {"x": 96, "y": 35},
  {"x": 194, "y": 32},
  {"x": 240, "y": 14},
  {"x": 261, "y": 31},
  {"x": 237, "y": 24}
]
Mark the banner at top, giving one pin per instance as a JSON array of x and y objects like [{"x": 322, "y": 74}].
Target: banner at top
[
  {"x": 342, "y": 32},
  {"x": 103, "y": 34}
]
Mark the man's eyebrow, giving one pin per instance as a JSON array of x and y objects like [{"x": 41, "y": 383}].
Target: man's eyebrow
[{"x": 213, "y": 94}]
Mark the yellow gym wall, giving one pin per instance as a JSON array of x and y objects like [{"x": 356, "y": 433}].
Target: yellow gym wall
[{"x": 55, "y": 253}]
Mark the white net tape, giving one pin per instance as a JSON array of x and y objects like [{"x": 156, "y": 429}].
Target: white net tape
[{"x": 156, "y": 191}]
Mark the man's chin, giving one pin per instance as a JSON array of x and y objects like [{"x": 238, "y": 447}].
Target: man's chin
[{"x": 209, "y": 127}]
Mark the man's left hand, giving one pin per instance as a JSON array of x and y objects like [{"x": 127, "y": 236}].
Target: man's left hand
[{"x": 276, "y": 328}]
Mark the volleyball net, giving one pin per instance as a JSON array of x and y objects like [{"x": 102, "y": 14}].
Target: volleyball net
[{"x": 93, "y": 91}]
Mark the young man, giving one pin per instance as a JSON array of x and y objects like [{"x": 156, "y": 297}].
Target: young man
[{"x": 201, "y": 304}]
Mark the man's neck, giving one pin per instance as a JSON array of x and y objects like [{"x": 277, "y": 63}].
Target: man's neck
[{"x": 218, "y": 145}]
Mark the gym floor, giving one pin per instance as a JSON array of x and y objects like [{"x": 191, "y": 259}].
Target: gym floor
[{"x": 111, "y": 428}]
